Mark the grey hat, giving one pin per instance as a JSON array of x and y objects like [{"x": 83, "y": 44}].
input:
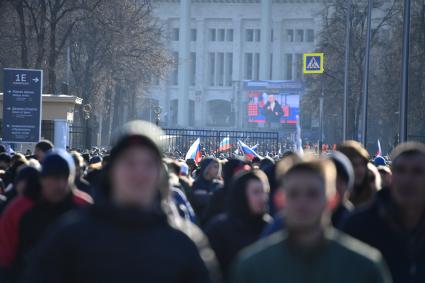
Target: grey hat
[{"x": 137, "y": 133}]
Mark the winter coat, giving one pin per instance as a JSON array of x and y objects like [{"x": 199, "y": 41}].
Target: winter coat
[
  {"x": 238, "y": 228},
  {"x": 109, "y": 244},
  {"x": 228, "y": 235},
  {"x": 201, "y": 193},
  {"x": 339, "y": 258},
  {"x": 379, "y": 226},
  {"x": 23, "y": 226}
]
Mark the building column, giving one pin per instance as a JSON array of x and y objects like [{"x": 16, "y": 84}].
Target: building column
[
  {"x": 61, "y": 133},
  {"x": 265, "y": 50},
  {"x": 238, "y": 69},
  {"x": 184, "y": 61},
  {"x": 277, "y": 51},
  {"x": 200, "y": 75}
]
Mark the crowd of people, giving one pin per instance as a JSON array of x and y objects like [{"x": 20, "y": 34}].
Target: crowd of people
[{"x": 131, "y": 214}]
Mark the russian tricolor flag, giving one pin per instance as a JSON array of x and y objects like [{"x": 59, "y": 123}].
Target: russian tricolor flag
[
  {"x": 247, "y": 151},
  {"x": 224, "y": 144},
  {"x": 194, "y": 151},
  {"x": 255, "y": 147}
]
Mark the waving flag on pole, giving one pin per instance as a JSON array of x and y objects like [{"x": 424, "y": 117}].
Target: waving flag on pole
[
  {"x": 194, "y": 151},
  {"x": 224, "y": 145},
  {"x": 247, "y": 151},
  {"x": 255, "y": 147},
  {"x": 379, "y": 152}
]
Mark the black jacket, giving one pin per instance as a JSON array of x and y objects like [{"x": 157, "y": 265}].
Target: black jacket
[
  {"x": 200, "y": 196},
  {"x": 32, "y": 226},
  {"x": 228, "y": 235},
  {"x": 238, "y": 228},
  {"x": 271, "y": 116},
  {"x": 110, "y": 244},
  {"x": 220, "y": 197},
  {"x": 378, "y": 226}
]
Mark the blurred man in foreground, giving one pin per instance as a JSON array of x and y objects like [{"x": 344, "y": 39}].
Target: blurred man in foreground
[
  {"x": 310, "y": 251},
  {"x": 129, "y": 237}
]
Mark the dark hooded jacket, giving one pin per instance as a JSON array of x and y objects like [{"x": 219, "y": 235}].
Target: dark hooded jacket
[
  {"x": 379, "y": 225},
  {"x": 111, "y": 243},
  {"x": 238, "y": 228},
  {"x": 202, "y": 190},
  {"x": 219, "y": 198}
]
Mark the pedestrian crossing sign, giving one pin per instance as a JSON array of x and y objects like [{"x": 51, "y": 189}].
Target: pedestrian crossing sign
[{"x": 313, "y": 63}]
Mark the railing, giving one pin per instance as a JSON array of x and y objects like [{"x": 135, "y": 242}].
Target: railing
[{"x": 179, "y": 140}]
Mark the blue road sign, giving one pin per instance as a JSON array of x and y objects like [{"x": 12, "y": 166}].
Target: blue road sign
[
  {"x": 22, "y": 105},
  {"x": 313, "y": 63}
]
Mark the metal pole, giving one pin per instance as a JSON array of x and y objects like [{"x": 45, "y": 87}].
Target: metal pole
[
  {"x": 321, "y": 115},
  {"x": 346, "y": 69},
  {"x": 405, "y": 76},
  {"x": 366, "y": 74}
]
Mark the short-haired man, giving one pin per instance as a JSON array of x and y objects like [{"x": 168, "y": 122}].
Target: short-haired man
[
  {"x": 359, "y": 157},
  {"x": 41, "y": 149},
  {"x": 395, "y": 222},
  {"x": 309, "y": 250}
]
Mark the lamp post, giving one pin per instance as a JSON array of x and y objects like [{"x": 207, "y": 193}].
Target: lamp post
[
  {"x": 87, "y": 109},
  {"x": 405, "y": 76},
  {"x": 157, "y": 110},
  {"x": 366, "y": 74},
  {"x": 346, "y": 69}
]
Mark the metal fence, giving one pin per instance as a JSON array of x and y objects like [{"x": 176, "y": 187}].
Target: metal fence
[
  {"x": 179, "y": 140},
  {"x": 77, "y": 135}
]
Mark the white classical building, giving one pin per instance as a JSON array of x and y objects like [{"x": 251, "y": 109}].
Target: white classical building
[{"x": 217, "y": 44}]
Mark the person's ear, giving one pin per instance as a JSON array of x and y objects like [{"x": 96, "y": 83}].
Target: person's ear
[
  {"x": 333, "y": 202},
  {"x": 279, "y": 200}
]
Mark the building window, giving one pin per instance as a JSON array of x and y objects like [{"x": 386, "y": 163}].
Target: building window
[
  {"x": 228, "y": 71},
  {"x": 257, "y": 36},
  {"x": 290, "y": 35},
  {"x": 229, "y": 35},
  {"x": 175, "y": 73},
  {"x": 221, "y": 34},
  {"x": 289, "y": 63},
  {"x": 248, "y": 66},
  {"x": 175, "y": 34},
  {"x": 220, "y": 69},
  {"x": 193, "y": 34},
  {"x": 256, "y": 69},
  {"x": 192, "y": 68},
  {"x": 211, "y": 69},
  {"x": 212, "y": 35},
  {"x": 252, "y": 66},
  {"x": 298, "y": 66},
  {"x": 299, "y": 37},
  {"x": 310, "y": 35},
  {"x": 249, "y": 35}
]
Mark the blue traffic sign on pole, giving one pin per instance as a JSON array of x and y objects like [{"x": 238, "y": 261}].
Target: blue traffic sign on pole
[
  {"x": 313, "y": 63},
  {"x": 22, "y": 90}
]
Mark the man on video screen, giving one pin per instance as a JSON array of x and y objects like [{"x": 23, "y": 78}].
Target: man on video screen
[{"x": 273, "y": 111}]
